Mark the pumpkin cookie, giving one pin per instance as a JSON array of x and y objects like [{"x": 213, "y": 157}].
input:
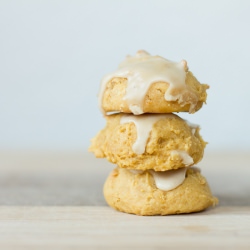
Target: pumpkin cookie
[
  {"x": 149, "y": 141},
  {"x": 151, "y": 84},
  {"x": 137, "y": 193}
]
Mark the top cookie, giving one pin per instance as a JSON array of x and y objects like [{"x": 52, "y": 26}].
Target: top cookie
[{"x": 151, "y": 84}]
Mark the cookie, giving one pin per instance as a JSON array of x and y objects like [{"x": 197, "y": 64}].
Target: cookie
[
  {"x": 137, "y": 193},
  {"x": 149, "y": 141},
  {"x": 151, "y": 84}
]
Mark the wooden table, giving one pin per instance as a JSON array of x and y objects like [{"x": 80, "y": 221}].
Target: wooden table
[{"x": 54, "y": 201}]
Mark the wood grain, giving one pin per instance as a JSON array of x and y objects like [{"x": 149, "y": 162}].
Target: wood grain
[{"x": 96, "y": 227}]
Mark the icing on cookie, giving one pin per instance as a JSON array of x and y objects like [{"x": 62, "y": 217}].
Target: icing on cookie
[
  {"x": 168, "y": 180},
  {"x": 144, "y": 125},
  {"x": 141, "y": 71},
  {"x": 187, "y": 160}
]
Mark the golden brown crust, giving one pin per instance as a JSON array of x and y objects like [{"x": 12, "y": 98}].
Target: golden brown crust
[
  {"x": 154, "y": 101},
  {"x": 137, "y": 194},
  {"x": 115, "y": 143}
]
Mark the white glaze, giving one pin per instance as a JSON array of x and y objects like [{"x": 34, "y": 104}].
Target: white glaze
[
  {"x": 168, "y": 180},
  {"x": 187, "y": 160},
  {"x": 144, "y": 125},
  {"x": 141, "y": 71}
]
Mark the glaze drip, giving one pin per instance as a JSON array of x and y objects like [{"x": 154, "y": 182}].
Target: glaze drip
[{"x": 141, "y": 71}]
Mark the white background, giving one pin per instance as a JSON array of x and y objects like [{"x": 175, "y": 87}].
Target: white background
[{"x": 54, "y": 53}]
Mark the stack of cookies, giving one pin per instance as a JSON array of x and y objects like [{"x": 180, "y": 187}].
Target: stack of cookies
[{"x": 154, "y": 149}]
